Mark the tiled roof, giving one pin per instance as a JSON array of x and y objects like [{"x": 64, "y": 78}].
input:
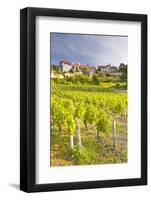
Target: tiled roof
[{"x": 65, "y": 62}]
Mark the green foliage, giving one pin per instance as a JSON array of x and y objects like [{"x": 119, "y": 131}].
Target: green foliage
[
  {"x": 70, "y": 122},
  {"x": 83, "y": 156},
  {"x": 58, "y": 114},
  {"x": 120, "y": 107},
  {"x": 91, "y": 105},
  {"x": 124, "y": 73},
  {"x": 83, "y": 79},
  {"x": 85, "y": 70},
  {"x": 103, "y": 122},
  {"x": 79, "y": 111},
  {"x": 90, "y": 114},
  {"x": 77, "y": 79},
  {"x": 95, "y": 79},
  {"x": 54, "y": 68}
]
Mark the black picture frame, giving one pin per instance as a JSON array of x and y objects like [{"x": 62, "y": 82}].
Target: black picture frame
[{"x": 28, "y": 99}]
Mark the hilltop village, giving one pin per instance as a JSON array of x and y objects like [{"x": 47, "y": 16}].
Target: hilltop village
[{"x": 68, "y": 69}]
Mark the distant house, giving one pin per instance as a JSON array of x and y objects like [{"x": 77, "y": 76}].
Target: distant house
[
  {"x": 106, "y": 68},
  {"x": 113, "y": 69},
  {"x": 78, "y": 66},
  {"x": 75, "y": 67},
  {"x": 65, "y": 66},
  {"x": 69, "y": 68},
  {"x": 103, "y": 68},
  {"x": 84, "y": 66}
]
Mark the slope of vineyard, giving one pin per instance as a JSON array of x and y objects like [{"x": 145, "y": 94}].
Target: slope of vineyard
[{"x": 83, "y": 124}]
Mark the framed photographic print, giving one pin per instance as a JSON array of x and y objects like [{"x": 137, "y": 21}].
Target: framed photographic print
[{"x": 83, "y": 99}]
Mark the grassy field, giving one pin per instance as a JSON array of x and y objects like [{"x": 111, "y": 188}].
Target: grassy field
[{"x": 82, "y": 124}]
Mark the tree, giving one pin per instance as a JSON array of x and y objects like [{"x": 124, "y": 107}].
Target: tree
[
  {"x": 95, "y": 79},
  {"x": 54, "y": 68},
  {"x": 123, "y": 69},
  {"x": 85, "y": 70},
  {"x": 83, "y": 78}
]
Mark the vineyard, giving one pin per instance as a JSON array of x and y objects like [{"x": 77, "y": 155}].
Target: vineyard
[{"x": 88, "y": 124}]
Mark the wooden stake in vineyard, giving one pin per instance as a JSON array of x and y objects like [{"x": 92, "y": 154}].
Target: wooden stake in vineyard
[
  {"x": 71, "y": 141},
  {"x": 78, "y": 115},
  {"x": 78, "y": 133},
  {"x": 114, "y": 134}
]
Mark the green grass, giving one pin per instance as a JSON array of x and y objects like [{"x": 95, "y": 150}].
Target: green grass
[{"x": 91, "y": 152}]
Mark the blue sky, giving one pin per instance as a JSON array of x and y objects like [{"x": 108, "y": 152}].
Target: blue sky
[{"x": 88, "y": 49}]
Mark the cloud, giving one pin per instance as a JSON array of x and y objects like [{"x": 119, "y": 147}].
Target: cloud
[{"x": 89, "y": 49}]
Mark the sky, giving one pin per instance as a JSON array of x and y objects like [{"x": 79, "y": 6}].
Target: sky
[{"x": 88, "y": 49}]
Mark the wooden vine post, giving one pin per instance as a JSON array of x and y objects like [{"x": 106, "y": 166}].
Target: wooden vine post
[
  {"x": 71, "y": 141},
  {"x": 78, "y": 135},
  {"x": 114, "y": 134}
]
